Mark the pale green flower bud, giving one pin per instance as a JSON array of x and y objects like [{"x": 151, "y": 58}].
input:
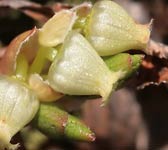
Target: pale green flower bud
[
  {"x": 79, "y": 70},
  {"x": 110, "y": 30}
]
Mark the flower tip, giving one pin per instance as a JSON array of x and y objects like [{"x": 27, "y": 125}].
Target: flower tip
[
  {"x": 150, "y": 24},
  {"x": 148, "y": 28}
]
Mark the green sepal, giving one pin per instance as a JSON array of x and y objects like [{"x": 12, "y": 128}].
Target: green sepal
[{"x": 124, "y": 63}]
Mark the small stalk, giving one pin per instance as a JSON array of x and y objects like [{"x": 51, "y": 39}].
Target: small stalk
[
  {"x": 21, "y": 67},
  {"x": 44, "y": 54},
  {"x": 38, "y": 63},
  {"x": 57, "y": 123},
  {"x": 124, "y": 63}
]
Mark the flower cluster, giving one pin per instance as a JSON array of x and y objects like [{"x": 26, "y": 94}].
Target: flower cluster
[{"x": 66, "y": 56}]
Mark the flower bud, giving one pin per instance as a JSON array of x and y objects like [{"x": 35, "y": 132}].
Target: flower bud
[
  {"x": 18, "y": 105},
  {"x": 110, "y": 30},
  {"x": 79, "y": 70},
  {"x": 57, "y": 123}
]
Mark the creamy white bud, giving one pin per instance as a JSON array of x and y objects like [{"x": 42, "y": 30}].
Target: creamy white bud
[
  {"x": 18, "y": 105},
  {"x": 110, "y": 30},
  {"x": 79, "y": 70}
]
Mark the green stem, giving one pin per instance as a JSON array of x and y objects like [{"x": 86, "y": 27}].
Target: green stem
[
  {"x": 123, "y": 62},
  {"x": 21, "y": 67},
  {"x": 43, "y": 54}
]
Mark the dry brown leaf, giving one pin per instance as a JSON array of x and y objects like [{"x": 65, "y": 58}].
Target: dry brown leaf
[
  {"x": 153, "y": 71},
  {"x": 34, "y": 10},
  {"x": 42, "y": 13}
]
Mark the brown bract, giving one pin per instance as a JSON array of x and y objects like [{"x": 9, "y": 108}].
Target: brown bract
[{"x": 26, "y": 43}]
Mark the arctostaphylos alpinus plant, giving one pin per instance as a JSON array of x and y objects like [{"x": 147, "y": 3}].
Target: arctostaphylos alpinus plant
[{"x": 65, "y": 57}]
